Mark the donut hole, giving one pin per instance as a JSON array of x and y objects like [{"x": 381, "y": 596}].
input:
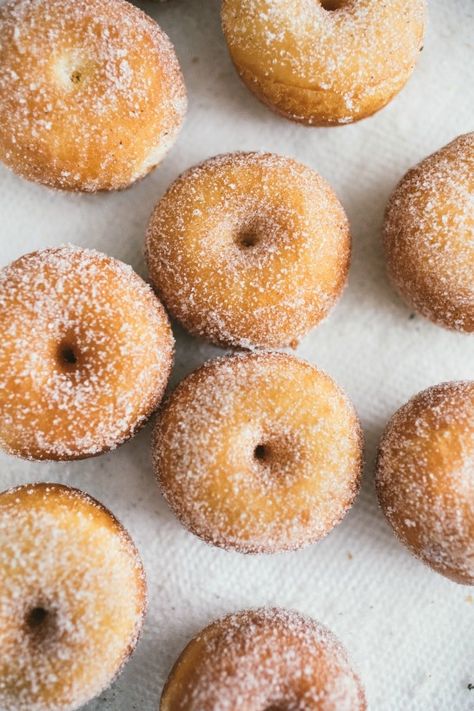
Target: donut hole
[
  {"x": 247, "y": 239},
  {"x": 67, "y": 356},
  {"x": 331, "y": 5},
  {"x": 39, "y": 622},
  {"x": 276, "y": 457},
  {"x": 261, "y": 453},
  {"x": 36, "y": 617},
  {"x": 72, "y": 69},
  {"x": 76, "y": 76}
]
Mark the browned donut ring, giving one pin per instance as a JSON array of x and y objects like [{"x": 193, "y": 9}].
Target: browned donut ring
[
  {"x": 91, "y": 93},
  {"x": 258, "y": 452},
  {"x": 429, "y": 236},
  {"x": 267, "y": 659},
  {"x": 249, "y": 249},
  {"x": 85, "y": 353},
  {"x": 72, "y": 598},
  {"x": 425, "y": 479},
  {"x": 324, "y": 62}
]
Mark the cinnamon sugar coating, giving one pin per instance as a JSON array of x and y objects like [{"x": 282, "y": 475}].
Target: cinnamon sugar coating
[
  {"x": 429, "y": 236},
  {"x": 270, "y": 659},
  {"x": 258, "y": 453},
  {"x": 85, "y": 353},
  {"x": 324, "y": 62},
  {"x": 425, "y": 478},
  {"x": 91, "y": 93},
  {"x": 249, "y": 249},
  {"x": 72, "y": 598}
]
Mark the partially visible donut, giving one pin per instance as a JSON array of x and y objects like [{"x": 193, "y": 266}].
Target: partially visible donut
[
  {"x": 265, "y": 660},
  {"x": 258, "y": 452},
  {"x": 429, "y": 236},
  {"x": 324, "y": 62},
  {"x": 85, "y": 353},
  {"x": 91, "y": 93},
  {"x": 249, "y": 249},
  {"x": 425, "y": 478},
  {"x": 72, "y": 598}
]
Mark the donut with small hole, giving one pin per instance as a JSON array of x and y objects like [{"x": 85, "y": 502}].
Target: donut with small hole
[
  {"x": 324, "y": 62},
  {"x": 270, "y": 659},
  {"x": 73, "y": 597},
  {"x": 249, "y": 250},
  {"x": 86, "y": 351},
  {"x": 91, "y": 93},
  {"x": 258, "y": 452}
]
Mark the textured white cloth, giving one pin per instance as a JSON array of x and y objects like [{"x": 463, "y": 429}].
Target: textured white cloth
[{"x": 410, "y": 632}]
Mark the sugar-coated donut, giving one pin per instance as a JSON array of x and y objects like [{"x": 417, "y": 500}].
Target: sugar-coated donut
[
  {"x": 249, "y": 249},
  {"x": 91, "y": 93},
  {"x": 266, "y": 660},
  {"x": 324, "y": 62},
  {"x": 258, "y": 452},
  {"x": 429, "y": 236},
  {"x": 85, "y": 353},
  {"x": 425, "y": 479},
  {"x": 72, "y": 598}
]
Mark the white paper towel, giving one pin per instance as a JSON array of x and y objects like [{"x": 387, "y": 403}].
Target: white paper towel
[{"x": 410, "y": 632}]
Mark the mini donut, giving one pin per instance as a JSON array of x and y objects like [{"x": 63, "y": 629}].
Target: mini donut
[
  {"x": 85, "y": 354},
  {"x": 249, "y": 249},
  {"x": 425, "y": 479},
  {"x": 258, "y": 452},
  {"x": 266, "y": 659},
  {"x": 324, "y": 62},
  {"x": 429, "y": 236},
  {"x": 72, "y": 598},
  {"x": 91, "y": 93}
]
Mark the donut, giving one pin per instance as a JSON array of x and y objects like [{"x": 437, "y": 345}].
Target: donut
[
  {"x": 249, "y": 249},
  {"x": 425, "y": 480},
  {"x": 72, "y": 598},
  {"x": 270, "y": 659},
  {"x": 324, "y": 62},
  {"x": 429, "y": 236},
  {"x": 258, "y": 452},
  {"x": 85, "y": 354},
  {"x": 91, "y": 93}
]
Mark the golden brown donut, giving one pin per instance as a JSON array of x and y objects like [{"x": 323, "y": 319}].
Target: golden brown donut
[
  {"x": 72, "y": 598},
  {"x": 249, "y": 249},
  {"x": 258, "y": 452},
  {"x": 265, "y": 660},
  {"x": 425, "y": 479},
  {"x": 324, "y": 62},
  {"x": 429, "y": 236},
  {"x": 91, "y": 93},
  {"x": 85, "y": 353}
]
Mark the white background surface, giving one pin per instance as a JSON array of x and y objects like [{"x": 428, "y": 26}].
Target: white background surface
[{"x": 410, "y": 632}]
